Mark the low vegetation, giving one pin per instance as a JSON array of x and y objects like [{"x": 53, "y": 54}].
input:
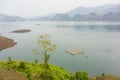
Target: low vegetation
[
  {"x": 22, "y": 70},
  {"x": 36, "y": 71}
]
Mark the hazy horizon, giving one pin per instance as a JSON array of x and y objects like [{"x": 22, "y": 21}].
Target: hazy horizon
[{"x": 29, "y": 8}]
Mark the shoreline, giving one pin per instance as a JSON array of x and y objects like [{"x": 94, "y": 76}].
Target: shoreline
[{"x": 6, "y": 42}]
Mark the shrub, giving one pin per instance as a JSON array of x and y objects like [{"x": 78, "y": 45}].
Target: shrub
[
  {"x": 46, "y": 75},
  {"x": 81, "y": 76},
  {"x": 22, "y": 65},
  {"x": 9, "y": 60}
]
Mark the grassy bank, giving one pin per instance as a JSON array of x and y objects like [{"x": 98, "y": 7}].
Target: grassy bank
[
  {"x": 22, "y": 70},
  {"x": 36, "y": 71}
]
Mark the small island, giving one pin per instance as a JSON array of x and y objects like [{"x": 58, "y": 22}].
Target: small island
[
  {"x": 21, "y": 31},
  {"x": 6, "y": 42}
]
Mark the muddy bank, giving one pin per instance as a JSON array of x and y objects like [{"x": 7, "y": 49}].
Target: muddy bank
[
  {"x": 6, "y": 42},
  {"x": 21, "y": 31},
  {"x": 6, "y": 74}
]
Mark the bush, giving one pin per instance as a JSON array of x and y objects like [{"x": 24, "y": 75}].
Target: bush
[
  {"x": 22, "y": 65},
  {"x": 46, "y": 75},
  {"x": 56, "y": 73},
  {"x": 81, "y": 76},
  {"x": 9, "y": 60}
]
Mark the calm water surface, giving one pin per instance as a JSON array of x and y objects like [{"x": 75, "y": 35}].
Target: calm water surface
[{"x": 100, "y": 41}]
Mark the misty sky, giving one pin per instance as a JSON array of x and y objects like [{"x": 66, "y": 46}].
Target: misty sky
[{"x": 44, "y": 7}]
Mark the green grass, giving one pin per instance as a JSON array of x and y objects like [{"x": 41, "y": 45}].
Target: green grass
[{"x": 36, "y": 71}]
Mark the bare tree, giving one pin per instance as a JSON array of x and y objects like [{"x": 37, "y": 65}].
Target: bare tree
[{"x": 46, "y": 46}]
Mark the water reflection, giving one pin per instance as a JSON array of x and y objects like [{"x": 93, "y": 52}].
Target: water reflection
[{"x": 93, "y": 28}]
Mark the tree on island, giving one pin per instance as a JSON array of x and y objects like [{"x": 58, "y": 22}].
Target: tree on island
[{"x": 46, "y": 46}]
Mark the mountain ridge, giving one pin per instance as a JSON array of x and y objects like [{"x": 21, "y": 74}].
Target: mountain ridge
[
  {"x": 107, "y": 12},
  {"x": 103, "y": 9},
  {"x": 8, "y": 18}
]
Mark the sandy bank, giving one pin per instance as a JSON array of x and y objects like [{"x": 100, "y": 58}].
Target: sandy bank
[
  {"x": 6, "y": 42},
  {"x": 21, "y": 31}
]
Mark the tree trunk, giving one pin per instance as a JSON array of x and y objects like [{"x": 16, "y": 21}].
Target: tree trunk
[{"x": 46, "y": 59}]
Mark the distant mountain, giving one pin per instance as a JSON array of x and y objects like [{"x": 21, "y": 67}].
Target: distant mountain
[
  {"x": 111, "y": 16},
  {"x": 98, "y": 10},
  {"x": 7, "y": 18},
  {"x": 115, "y": 8},
  {"x": 61, "y": 17},
  {"x": 45, "y": 18},
  {"x": 108, "y": 12}
]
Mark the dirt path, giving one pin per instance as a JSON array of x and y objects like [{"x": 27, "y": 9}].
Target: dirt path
[{"x": 11, "y": 75}]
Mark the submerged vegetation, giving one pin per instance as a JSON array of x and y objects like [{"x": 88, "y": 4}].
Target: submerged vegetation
[{"x": 74, "y": 51}]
